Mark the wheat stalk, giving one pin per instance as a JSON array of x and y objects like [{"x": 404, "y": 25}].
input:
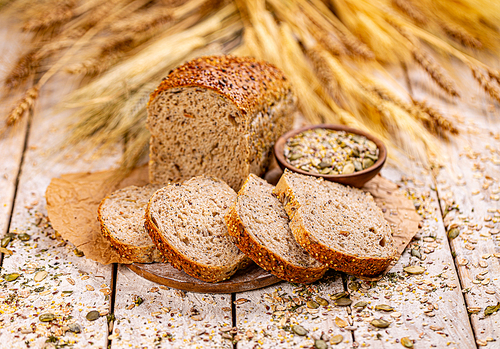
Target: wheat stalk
[
  {"x": 407, "y": 7},
  {"x": 461, "y": 35},
  {"x": 22, "y": 106},
  {"x": 435, "y": 71},
  {"x": 485, "y": 83}
]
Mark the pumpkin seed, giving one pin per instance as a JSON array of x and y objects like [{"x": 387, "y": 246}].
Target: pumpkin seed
[
  {"x": 491, "y": 309},
  {"x": 46, "y": 317},
  {"x": 416, "y": 253},
  {"x": 348, "y": 168},
  {"x": 406, "y": 342},
  {"x": 11, "y": 277},
  {"x": 453, "y": 233},
  {"x": 321, "y": 301},
  {"x": 379, "y": 323},
  {"x": 361, "y": 304},
  {"x": 354, "y": 286},
  {"x": 357, "y": 165},
  {"x": 336, "y": 339},
  {"x": 325, "y": 163},
  {"x": 414, "y": 269},
  {"x": 320, "y": 344},
  {"x": 367, "y": 162},
  {"x": 75, "y": 328},
  {"x": 299, "y": 330},
  {"x": 6, "y": 251},
  {"x": 93, "y": 315},
  {"x": 78, "y": 253},
  {"x": 39, "y": 289},
  {"x": 6, "y": 241},
  {"x": 384, "y": 307},
  {"x": 296, "y": 156},
  {"x": 343, "y": 302},
  {"x": 312, "y": 305},
  {"x": 24, "y": 237},
  {"x": 40, "y": 276},
  {"x": 339, "y": 295}
]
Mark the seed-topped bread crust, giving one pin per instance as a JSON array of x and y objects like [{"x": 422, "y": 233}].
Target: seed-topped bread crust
[
  {"x": 121, "y": 215},
  {"x": 186, "y": 222},
  {"x": 259, "y": 224},
  {"x": 339, "y": 226},
  {"x": 234, "y": 107},
  {"x": 247, "y": 82}
]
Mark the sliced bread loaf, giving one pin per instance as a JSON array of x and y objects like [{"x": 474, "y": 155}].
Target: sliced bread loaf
[
  {"x": 186, "y": 221},
  {"x": 259, "y": 224},
  {"x": 339, "y": 226},
  {"x": 121, "y": 215},
  {"x": 234, "y": 107}
]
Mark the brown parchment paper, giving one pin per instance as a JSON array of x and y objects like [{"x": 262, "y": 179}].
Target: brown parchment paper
[{"x": 73, "y": 199}]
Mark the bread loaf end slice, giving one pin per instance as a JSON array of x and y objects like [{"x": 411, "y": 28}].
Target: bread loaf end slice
[
  {"x": 121, "y": 215},
  {"x": 259, "y": 224},
  {"x": 340, "y": 226},
  {"x": 186, "y": 222}
]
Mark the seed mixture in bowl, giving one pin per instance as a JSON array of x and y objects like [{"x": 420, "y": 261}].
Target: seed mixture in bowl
[{"x": 330, "y": 152}]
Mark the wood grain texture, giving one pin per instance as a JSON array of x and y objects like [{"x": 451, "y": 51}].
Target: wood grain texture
[
  {"x": 469, "y": 189},
  {"x": 149, "y": 315},
  {"x": 428, "y": 308},
  {"x": 73, "y": 286}
]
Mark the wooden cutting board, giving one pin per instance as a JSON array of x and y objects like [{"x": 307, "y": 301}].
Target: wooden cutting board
[{"x": 250, "y": 278}]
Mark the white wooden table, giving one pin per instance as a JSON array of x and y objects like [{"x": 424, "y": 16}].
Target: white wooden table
[{"x": 442, "y": 308}]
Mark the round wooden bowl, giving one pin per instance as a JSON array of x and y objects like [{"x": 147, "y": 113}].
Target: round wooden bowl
[{"x": 356, "y": 179}]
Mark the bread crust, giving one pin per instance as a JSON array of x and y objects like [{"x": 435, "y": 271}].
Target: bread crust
[
  {"x": 181, "y": 262},
  {"x": 345, "y": 262},
  {"x": 136, "y": 254},
  {"x": 248, "y": 83},
  {"x": 265, "y": 258}
]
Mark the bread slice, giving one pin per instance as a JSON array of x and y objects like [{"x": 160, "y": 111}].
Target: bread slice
[
  {"x": 121, "y": 215},
  {"x": 259, "y": 224},
  {"x": 234, "y": 107},
  {"x": 186, "y": 221},
  {"x": 340, "y": 226}
]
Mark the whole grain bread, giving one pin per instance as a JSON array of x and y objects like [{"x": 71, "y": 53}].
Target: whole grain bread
[
  {"x": 121, "y": 215},
  {"x": 340, "y": 226},
  {"x": 259, "y": 224},
  {"x": 186, "y": 222},
  {"x": 220, "y": 116}
]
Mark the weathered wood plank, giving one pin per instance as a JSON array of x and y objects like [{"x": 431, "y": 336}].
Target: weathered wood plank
[
  {"x": 150, "y": 315},
  {"x": 468, "y": 186},
  {"x": 265, "y": 317},
  {"x": 73, "y": 286},
  {"x": 429, "y": 308},
  {"x": 11, "y": 143}
]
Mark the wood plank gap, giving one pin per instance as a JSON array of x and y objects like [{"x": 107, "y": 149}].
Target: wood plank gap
[
  {"x": 112, "y": 305},
  {"x": 18, "y": 176}
]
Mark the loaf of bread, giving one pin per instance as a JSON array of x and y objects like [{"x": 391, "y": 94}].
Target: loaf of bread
[
  {"x": 339, "y": 226},
  {"x": 186, "y": 222},
  {"x": 121, "y": 215},
  {"x": 217, "y": 115},
  {"x": 259, "y": 224}
]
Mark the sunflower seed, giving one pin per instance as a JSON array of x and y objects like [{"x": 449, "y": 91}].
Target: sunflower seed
[{"x": 414, "y": 269}]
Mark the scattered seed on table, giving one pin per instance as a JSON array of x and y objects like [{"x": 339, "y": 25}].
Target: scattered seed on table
[
  {"x": 11, "y": 277},
  {"x": 24, "y": 237},
  {"x": 46, "y": 317},
  {"x": 75, "y": 328},
  {"x": 299, "y": 330},
  {"x": 320, "y": 344},
  {"x": 40, "y": 276},
  {"x": 93, "y": 315},
  {"x": 380, "y": 323},
  {"x": 336, "y": 339}
]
